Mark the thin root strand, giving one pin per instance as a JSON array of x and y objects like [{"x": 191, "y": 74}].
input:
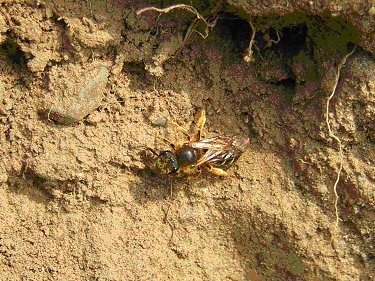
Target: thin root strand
[
  {"x": 341, "y": 154},
  {"x": 184, "y": 7},
  {"x": 249, "y": 51}
]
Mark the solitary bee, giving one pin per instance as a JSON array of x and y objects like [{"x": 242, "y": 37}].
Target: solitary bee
[{"x": 215, "y": 154}]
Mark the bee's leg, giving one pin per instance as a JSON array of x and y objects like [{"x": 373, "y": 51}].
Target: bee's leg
[
  {"x": 200, "y": 125},
  {"x": 179, "y": 144},
  {"x": 190, "y": 171},
  {"x": 153, "y": 151},
  {"x": 167, "y": 141},
  {"x": 181, "y": 129},
  {"x": 217, "y": 171}
]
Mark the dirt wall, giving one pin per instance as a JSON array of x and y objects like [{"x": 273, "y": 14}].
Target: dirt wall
[{"x": 85, "y": 86}]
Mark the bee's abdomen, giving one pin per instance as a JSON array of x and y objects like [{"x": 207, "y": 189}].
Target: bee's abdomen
[{"x": 166, "y": 163}]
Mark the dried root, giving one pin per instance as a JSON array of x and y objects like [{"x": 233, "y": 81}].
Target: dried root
[
  {"x": 341, "y": 154},
  {"x": 270, "y": 41},
  {"x": 169, "y": 48},
  {"x": 184, "y": 7},
  {"x": 249, "y": 51}
]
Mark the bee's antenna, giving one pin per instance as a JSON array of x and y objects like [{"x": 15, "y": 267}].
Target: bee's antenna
[{"x": 150, "y": 149}]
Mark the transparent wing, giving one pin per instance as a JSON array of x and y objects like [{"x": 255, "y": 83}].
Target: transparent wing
[{"x": 220, "y": 151}]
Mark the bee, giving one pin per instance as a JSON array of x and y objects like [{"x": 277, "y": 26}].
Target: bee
[{"x": 214, "y": 154}]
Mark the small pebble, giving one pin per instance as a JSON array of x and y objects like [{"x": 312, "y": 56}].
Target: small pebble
[
  {"x": 160, "y": 122},
  {"x": 322, "y": 189},
  {"x": 357, "y": 209},
  {"x": 292, "y": 143}
]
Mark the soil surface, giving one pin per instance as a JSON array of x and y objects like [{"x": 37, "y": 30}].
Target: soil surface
[{"x": 86, "y": 86}]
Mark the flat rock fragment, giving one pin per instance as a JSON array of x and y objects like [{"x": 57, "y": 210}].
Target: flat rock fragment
[{"x": 76, "y": 91}]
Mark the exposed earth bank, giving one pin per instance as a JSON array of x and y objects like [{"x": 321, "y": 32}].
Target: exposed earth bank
[{"x": 85, "y": 86}]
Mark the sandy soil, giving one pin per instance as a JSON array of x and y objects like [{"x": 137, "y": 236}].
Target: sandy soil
[{"x": 86, "y": 85}]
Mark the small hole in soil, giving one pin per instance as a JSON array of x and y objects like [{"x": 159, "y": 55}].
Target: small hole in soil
[
  {"x": 292, "y": 39},
  {"x": 232, "y": 28},
  {"x": 288, "y": 83},
  {"x": 134, "y": 68},
  {"x": 11, "y": 50}
]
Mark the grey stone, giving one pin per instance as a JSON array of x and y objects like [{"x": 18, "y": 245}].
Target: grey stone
[
  {"x": 160, "y": 122},
  {"x": 75, "y": 97}
]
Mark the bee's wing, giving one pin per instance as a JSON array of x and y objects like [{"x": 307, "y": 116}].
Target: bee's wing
[
  {"x": 220, "y": 151},
  {"x": 214, "y": 143}
]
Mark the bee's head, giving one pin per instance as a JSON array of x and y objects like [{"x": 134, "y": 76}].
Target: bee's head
[{"x": 166, "y": 163}]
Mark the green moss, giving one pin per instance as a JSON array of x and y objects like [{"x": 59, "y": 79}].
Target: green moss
[
  {"x": 308, "y": 40},
  {"x": 310, "y": 70},
  {"x": 278, "y": 23},
  {"x": 323, "y": 29}
]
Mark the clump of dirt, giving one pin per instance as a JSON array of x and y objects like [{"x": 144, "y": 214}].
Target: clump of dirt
[{"x": 86, "y": 86}]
